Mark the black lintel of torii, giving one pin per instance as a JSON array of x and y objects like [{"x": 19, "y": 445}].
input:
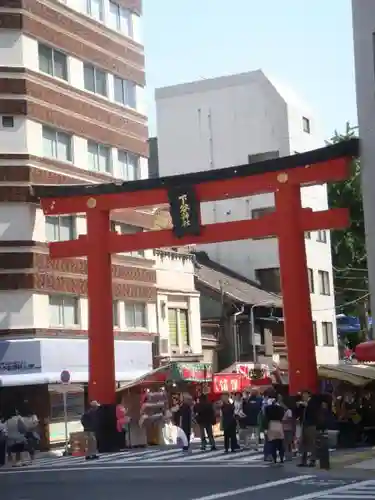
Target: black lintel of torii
[{"x": 349, "y": 148}]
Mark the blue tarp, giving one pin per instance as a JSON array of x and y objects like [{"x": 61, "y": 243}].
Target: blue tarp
[{"x": 349, "y": 324}]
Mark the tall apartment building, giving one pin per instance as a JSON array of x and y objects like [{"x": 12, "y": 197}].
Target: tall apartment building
[
  {"x": 231, "y": 120},
  {"x": 72, "y": 111},
  {"x": 364, "y": 53}
]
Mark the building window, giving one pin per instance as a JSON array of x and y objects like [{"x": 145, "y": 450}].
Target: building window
[
  {"x": 94, "y": 8},
  {"x": 321, "y": 236},
  {"x": 310, "y": 273},
  {"x": 99, "y": 157},
  {"x": 7, "y": 121},
  {"x": 306, "y": 125},
  {"x": 258, "y": 213},
  {"x": 128, "y": 165},
  {"x": 53, "y": 62},
  {"x": 135, "y": 315},
  {"x": 269, "y": 279},
  {"x": 125, "y": 92},
  {"x": 178, "y": 322},
  {"x": 308, "y": 235},
  {"x": 327, "y": 328},
  {"x": 115, "y": 310},
  {"x": 63, "y": 310},
  {"x": 324, "y": 285},
  {"x": 184, "y": 327},
  {"x": 60, "y": 228},
  {"x": 315, "y": 333},
  {"x": 57, "y": 144},
  {"x": 95, "y": 80},
  {"x": 120, "y": 19}
]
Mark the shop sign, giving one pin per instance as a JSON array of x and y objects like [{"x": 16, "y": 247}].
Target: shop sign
[
  {"x": 11, "y": 367},
  {"x": 227, "y": 383},
  {"x": 194, "y": 372},
  {"x": 20, "y": 357}
]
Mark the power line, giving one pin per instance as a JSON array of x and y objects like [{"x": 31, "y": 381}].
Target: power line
[{"x": 345, "y": 304}]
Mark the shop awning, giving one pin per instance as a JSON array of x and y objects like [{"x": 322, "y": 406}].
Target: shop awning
[
  {"x": 20, "y": 379},
  {"x": 173, "y": 373},
  {"x": 358, "y": 375},
  {"x": 365, "y": 352}
]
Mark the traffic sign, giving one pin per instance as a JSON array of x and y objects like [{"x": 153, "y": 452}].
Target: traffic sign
[{"x": 65, "y": 377}]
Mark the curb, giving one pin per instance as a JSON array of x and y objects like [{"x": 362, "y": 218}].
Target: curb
[{"x": 351, "y": 459}]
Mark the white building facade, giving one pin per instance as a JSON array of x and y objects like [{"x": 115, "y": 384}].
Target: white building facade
[
  {"x": 227, "y": 121},
  {"x": 364, "y": 52},
  {"x": 72, "y": 111},
  {"x": 178, "y": 306}
]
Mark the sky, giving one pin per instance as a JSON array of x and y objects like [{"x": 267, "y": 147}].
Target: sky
[{"x": 305, "y": 44}]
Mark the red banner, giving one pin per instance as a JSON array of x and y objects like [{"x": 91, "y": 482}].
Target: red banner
[{"x": 227, "y": 382}]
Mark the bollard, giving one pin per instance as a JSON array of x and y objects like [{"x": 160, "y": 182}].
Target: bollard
[{"x": 323, "y": 450}]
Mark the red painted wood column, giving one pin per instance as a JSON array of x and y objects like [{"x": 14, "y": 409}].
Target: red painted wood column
[
  {"x": 295, "y": 287},
  {"x": 102, "y": 384}
]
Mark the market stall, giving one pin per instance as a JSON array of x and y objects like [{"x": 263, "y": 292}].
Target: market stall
[
  {"x": 357, "y": 375},
  {"x": 145, "y": 406}
]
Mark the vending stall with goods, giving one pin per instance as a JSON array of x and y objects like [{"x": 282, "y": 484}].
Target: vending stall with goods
[{"x": 148, "y": 397}]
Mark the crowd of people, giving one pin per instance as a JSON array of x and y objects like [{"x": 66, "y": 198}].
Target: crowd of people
[
  {"x": 283, "y": 425},
  {"x": 19, "y": 438}
]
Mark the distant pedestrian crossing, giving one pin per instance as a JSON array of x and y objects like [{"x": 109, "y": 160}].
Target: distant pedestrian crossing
[
  {"x": 157, "y": 456},
  {"x": 358, "y": 491}
]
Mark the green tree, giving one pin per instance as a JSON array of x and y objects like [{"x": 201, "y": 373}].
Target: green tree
[{"x": 348, "y": 246}]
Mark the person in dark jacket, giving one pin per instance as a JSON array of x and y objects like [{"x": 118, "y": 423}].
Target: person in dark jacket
[
  {"x": 3, "y": 441},
  {"x": 89, "y": 423},
  {"x": 185, "y": 417},
  {"x": 229, "y": 424},
  {"x": 273, "y": 418},
  {"x": 310, "y": 416},
  {"x": 251, "y": 407},
  {"x": 205, "y": 418}
]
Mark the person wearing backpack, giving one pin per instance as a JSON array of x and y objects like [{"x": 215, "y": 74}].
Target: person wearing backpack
[{"x": 17, "y": 442}]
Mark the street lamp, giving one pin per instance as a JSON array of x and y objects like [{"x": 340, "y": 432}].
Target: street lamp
[{"x": 252, "y": 324}]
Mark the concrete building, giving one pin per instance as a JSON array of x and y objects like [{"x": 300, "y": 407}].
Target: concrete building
[
  {"x": 232, "y": 120},
  {"x": 364, "y": 53},
  {"x": 72, "y": 111}
]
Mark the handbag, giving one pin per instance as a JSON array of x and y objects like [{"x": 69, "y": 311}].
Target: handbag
[{"x": 275, "y": 430}]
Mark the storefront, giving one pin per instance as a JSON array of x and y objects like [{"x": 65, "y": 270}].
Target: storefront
[{"x": 30, "y": 370}]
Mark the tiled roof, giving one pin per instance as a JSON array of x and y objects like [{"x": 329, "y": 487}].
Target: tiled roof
[{"x": 217, "y": 277}]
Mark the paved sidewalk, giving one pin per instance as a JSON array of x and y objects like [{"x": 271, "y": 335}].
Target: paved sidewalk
[{"x": 352, "y": 458}]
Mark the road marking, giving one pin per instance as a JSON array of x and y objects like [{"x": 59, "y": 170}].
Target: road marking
[
  {"x": 256, "y": 487},
  {"x": 121, "y": 467},
  {"x": 341, "y": 489}
]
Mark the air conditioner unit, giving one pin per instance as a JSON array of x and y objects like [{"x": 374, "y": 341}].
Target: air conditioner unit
[{"x": 164, "y": 346}]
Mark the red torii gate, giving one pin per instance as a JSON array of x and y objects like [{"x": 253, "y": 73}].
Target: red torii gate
[{"x": 283, "y": 176}]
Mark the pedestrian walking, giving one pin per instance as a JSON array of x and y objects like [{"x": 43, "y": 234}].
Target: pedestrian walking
[
  {"x": 3, "y": 442},
  {"x": 184, "y": 418},
  {"x": 252, "y": 406},
  {"x": 289, "y": 426},
  {"x": 205, "y": 417},
  {"x": 309, "y": 421},
  {"x": 229, "y": 424},
  {"x": 89, "y": 423},
  {"x": 17, "y": 442},
  {"x": 32, "y": 435},
  {"x": 274, "y": 414}
]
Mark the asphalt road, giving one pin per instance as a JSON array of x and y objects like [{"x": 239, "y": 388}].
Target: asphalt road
[{"x": 180, "y": 482}]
